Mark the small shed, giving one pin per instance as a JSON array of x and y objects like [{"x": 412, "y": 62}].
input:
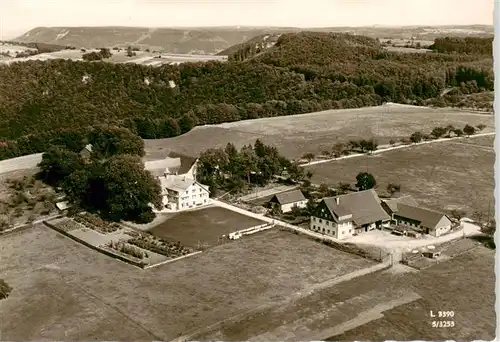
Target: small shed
[
  {"x": 86, "y": 151},
  {"x": 288, "y": 200},
  {"x": 62, "y": 206}
]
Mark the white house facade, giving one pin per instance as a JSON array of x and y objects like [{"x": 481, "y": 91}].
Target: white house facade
[
  {"x": 181, "y": 193},
  {"x": 343, "y": 216}
]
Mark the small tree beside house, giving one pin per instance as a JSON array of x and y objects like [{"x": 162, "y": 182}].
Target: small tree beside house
[
  {"x": 365, "y": 181},
  {"x": 458, "y": 132}
]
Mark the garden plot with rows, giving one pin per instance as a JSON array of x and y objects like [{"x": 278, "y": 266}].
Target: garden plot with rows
[{"x": 138, "y": 248}]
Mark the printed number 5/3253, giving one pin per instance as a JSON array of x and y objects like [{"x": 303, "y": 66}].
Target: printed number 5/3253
[{"x": 443, "y": 324}]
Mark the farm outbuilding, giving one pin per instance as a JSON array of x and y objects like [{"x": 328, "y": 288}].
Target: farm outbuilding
[
  {"x": 287, "y": 200},
  {"x": 425, "y": 220}
]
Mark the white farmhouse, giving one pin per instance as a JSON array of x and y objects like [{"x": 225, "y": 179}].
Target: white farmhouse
[
  {"x": 177, "y": 176},
  {"x": 346, "y": 215},
  {"x": 181, "y": 193},
  {"x": 287, "y": 200}
]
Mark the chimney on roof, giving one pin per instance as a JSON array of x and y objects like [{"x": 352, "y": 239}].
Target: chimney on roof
[{"x": 337, "y": 200}]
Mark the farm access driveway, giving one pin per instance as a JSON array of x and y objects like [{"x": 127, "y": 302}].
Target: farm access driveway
[{"x": 397, "y": 244}]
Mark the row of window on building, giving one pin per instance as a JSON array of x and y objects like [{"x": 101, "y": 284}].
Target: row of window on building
[
  {"x": 328, "y": 231},
  {"x": 185, "y": 198},
  {"x": 328, "y": 222}
]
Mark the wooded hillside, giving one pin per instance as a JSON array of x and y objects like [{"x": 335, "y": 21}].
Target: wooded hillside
[{"x": 45, "y": 100}]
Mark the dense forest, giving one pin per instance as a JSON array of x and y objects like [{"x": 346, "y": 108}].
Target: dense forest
[
  {"x": 469, "y": 45},
  {"x": 42, "y": 102}
]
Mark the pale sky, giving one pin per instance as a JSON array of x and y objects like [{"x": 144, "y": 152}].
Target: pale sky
[{"x": 19, "y": 16}]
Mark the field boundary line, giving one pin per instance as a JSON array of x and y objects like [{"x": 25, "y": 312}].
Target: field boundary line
[
  {"x": 29, "y": 224},
  {"x": 369, "y": 315},
  {"x": 171, "y": 260},
  {"x": 96, "y": 248},
  {"x": 295, "y": 296}
]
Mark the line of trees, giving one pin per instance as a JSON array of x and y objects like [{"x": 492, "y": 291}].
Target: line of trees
[
  {"x": 448, "y": 131},
  {"x": 231, "y": 169}
]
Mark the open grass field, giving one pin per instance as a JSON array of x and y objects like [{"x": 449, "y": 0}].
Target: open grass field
[
  {"x": 440, "y": 176},
  {"x": 202, "y": 227},
  {"x": 65, "y": 291},
  {"x": 386, "y": 305},
  {"x": 487, "y": 141},
  {"x": 316, "y": 132},
  {"x": 465, "y": 285}
]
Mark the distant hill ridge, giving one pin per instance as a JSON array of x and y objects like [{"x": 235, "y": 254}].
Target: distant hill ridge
[
  {"x": 52, "y": 102},
  {"x": 213, "y": 40}
]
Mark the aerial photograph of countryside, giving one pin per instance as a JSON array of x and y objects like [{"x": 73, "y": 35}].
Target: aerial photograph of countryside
[{"x": 247, "y": 171}]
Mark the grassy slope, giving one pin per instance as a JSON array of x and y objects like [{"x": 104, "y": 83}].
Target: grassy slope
[{"x": 315, "y": 132}]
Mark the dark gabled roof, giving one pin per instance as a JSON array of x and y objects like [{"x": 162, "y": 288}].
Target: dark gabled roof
[
  {"x": 288, "y": 197},
  {"x": 392, "y": 203},
  {"x": 427, "y": 218},
  {"x": 363, "y": 205},
  {"x": 186, "y": 163},
  {"x": 336, "y": 209}
]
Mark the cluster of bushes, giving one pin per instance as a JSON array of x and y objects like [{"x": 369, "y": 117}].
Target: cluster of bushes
[
  {"x": 27, "y": 199},
  {"x": 159, "y": 246},
  {"x": 303, "y": 72},
  {"x": 125, "y": 248},
  {"x": 447, "y": 132},
  {"x": 27, "y": 53},
  {"x": 96, "y": 223},
  {"x": 68, "y": 225},
  {"x": 103, "y": 53},
  {"x": 341, "y": 149}
]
